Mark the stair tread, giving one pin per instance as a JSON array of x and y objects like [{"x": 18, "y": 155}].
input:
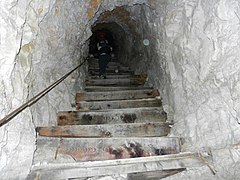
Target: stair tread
[
  {"x": 95, "y": 61},
  {"x": 111, "y": 116},
  {"x": 107, "y": 130},
  {"x": 112, "y": 73},
  {"x": 120, "y": 82},
  {"x": 115, "y": 76},
  {"x": 117, "y": 104},
  {"x": 111, "y": 68},
  {"x": 120, "y": 166},
  {"x": 102, "y": 88},
  {"x": 116, "y": 95},
  {"x": 59, "y": 150}
]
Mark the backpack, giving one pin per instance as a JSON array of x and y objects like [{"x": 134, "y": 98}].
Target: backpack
[{"x": 103, "y": 47}]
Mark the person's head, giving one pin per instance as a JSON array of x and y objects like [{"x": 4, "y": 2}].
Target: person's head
[{"x": 101, "y": 36}]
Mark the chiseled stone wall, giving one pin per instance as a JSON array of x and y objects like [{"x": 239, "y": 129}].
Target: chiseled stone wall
[
  {"x": 197, "y": 72},
  {"x": 40, "y": 41}
]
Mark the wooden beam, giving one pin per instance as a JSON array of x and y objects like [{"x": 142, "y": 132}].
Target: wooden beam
[
  {"x": 95, "y": 67},
  {"x": 118, "y": 104},
  {"x": 154, "y": 175},
  {"x": 111, "y": 73},
  {"x": 95, "y": 149},
  {"x": 116, "y": 95},
  {"x": 112, "y": 88},
  {"x": 112, "y": 116},
  {"x": 115, "y": 76},
  {"x": 111, "y": 63},
  {"x": 119, "y": 82},
  {"x": 102, "y": 168},
  {"x": 112, "y": 130}
]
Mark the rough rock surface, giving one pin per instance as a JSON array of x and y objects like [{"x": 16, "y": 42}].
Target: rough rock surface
[
  {"x": 40, "y": 41},
  {"x": 192, "y": 58}
]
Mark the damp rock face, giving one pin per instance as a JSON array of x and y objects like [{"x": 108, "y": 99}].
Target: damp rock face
[{"x": 188, "y": 48}]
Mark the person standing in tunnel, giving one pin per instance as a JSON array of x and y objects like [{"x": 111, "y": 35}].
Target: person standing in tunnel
[{"x": 104, "y": 58}]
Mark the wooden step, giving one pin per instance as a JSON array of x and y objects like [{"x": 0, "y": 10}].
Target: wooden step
[
  {"x": 97, "y": 149},
  {"x": 94, "y": 73},
  {"x": 114, "y": 76},
  {"x": 111, "y": 63},
  {"x": 118, "y": 104},
  {"x": 121, "y": 166},
  {"x": 107, "y": 130},
  {"x": 114, "y": 82},
  {"x": 111, "y": 71},
  {"x": 133, "y": 80},
  {"x": 116, "y": 95},
  {"x": 154, "y": 175},
  {"x": 109, "y": 67},
  {"x": 111, "y": 116},
  {"x": 112, "y": 88}
]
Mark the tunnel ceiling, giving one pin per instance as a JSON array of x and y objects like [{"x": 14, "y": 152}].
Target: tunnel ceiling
[{"x": 120, "y": 16}]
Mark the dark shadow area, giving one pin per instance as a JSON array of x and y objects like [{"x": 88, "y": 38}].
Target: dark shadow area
[{"x": 114, "y": 34}]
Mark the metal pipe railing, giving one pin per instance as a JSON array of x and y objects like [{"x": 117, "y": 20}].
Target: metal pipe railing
[{"x": 36, "y": 98}]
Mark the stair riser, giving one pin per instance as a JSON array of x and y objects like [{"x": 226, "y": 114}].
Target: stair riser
[
  {"x": 91, "y": 71},
  {"x": 117, "y": 104},
  {"x": 112, "y": 82},
  {"x": 116, "y": 95},
  {"x": 96, "y": 73},
  {"x": 111, "y": 63},
  {"x": 112, "y": 68},
  {"x": 117, "y": 130},
  {"x": 112, "y": 88},
  {"x": 111, "y": 117},
  {"x": 112, "y": 76}
]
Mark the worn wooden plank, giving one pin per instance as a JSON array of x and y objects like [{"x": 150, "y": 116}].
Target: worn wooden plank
[
  {"x": 120, "y": 166},
  {"x": 96, "y": 149},
  {"x": 93, "y": 70},
  {"x": 94, "y": 67},
  {"x": 111, "y": 116},
  {"x": 119, "y": 82},
  {"x": 112, "y": 88},
  {"x": 115, "y": 76},
  {"x": 112, "y": 130},
  {"x": 111, "y": 73},
  {"x": 111, "y": 63},
  {"x": 154, "y": 175},
  {"x": 116, "y": 95},
  {"x": 118, "y": 104}
]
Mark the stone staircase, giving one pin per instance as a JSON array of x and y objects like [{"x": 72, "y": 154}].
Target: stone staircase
[{"x": 119, "y": 127}]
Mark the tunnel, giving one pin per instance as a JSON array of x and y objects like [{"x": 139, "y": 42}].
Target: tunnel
[{"x": 189, "y": 50}]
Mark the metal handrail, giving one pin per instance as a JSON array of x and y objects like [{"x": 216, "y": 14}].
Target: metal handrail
[{"x": 36, "y": 98}]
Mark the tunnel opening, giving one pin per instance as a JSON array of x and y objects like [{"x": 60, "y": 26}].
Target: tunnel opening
[
  {"x": 121, "y": 32},
  {"x": 114, "y": 34}
]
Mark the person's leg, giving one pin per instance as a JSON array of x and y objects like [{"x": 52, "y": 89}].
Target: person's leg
[
  {"x": 106, "y": 61},
  {"x": 101, "y": 65}
]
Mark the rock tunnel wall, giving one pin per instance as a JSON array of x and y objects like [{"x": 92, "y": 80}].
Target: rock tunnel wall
[
  {"x": 40, "y": 42},
  {"x": 192, "y": 58}
]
